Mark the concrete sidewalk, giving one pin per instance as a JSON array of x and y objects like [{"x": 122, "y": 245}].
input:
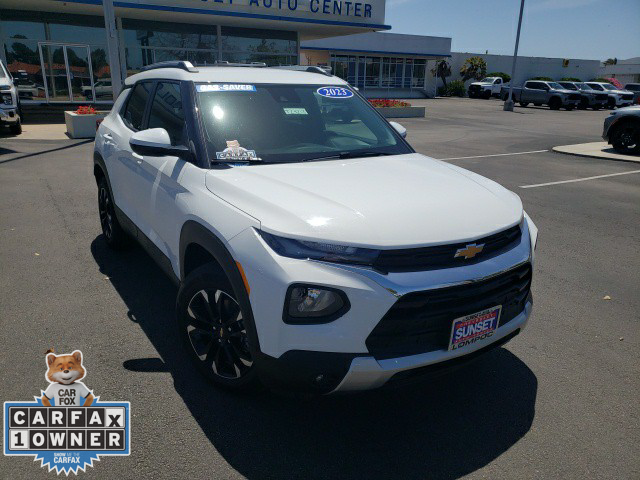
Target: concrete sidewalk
[
  {"x": 596, "y": 150},
  {"x": 40, "y": 131}
]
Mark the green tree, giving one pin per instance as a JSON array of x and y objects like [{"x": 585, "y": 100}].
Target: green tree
[
  {"x": 506, "y": 78},
  {"x": 610, "y": 61},
  {"x": 474, "y": 68},
  {"x": 442, "y": 70}
]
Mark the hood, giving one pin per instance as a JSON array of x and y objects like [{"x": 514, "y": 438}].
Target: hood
[
  {"x": 395, "y": 201},
  {"x": 564, "y": 91},
  {"x": 481, "y": 83},
  {"x": 621, "y": 92},
  {"x": 631, "y": 109}
]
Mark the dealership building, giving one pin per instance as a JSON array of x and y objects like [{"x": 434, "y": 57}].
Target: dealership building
[{"x": 65, "y": 51}]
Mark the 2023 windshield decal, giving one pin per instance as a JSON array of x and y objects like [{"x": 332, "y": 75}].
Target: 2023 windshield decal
[{"x": 335, "y": 92}]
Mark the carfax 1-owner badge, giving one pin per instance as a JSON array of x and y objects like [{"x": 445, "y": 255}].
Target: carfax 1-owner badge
[{"x": 67, "y": 427}]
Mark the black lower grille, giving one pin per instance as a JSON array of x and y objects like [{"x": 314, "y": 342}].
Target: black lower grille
[
  {"x": 574, "y": 96},
  {"x": 474, "y": 88},
  {"x": 627, "y": 97},
  {"x": 421, "y": 322},
  {"x": 444, "y": 256}
]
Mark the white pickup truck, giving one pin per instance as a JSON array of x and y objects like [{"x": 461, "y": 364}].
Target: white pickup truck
[{"x": 487, "y": 87}]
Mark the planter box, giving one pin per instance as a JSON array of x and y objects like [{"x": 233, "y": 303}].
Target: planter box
[
  {"x": 82, "y": 126},
  {"x": 402, "y": 112}
]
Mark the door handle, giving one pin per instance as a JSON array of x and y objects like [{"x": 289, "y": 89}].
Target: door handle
[{"x": 107, "y": 137}]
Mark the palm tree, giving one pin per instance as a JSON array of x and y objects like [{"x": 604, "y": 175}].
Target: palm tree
[{"x": 442, "y": 70}]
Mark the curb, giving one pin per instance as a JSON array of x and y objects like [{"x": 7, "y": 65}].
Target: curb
[{"x": 582, "y": 150}]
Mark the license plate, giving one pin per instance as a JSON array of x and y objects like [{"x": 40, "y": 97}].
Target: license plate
[{"x": 475, "y": 327}]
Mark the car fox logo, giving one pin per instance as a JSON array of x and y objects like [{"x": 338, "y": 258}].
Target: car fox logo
[{"x": 67, "y": 427}]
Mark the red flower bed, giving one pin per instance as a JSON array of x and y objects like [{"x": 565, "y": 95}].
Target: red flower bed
[
  {"x": 385, "y": 103},
  {"x": 85, "y": 110}
]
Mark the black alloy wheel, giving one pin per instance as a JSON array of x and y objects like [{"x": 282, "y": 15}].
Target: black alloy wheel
[
  {"x": 626, "y": 138},
  {"x": 113, "y": 233},
  {"x": 213, "y": 329}
]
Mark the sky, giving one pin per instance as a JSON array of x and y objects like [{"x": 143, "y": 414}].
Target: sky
[{"x": 581, "y": 29}]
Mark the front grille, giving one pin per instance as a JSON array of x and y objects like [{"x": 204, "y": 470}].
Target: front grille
[
  {"x": 421, "y": 322},
  {"x": 602, "y": 96},
  {"x": 444, "y": 256},
  {"x": 627, "y": 97},
  {"x": 574, "y": 96},
  {"x": 474, "y": 88}
]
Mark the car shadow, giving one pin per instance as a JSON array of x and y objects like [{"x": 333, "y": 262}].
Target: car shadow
[{"x": 441, "y": 429}]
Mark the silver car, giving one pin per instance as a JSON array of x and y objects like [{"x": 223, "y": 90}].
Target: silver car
[
  {"x": 589, "y": 98},
  {"x": 622, "y": 130},
  {"x": 617, "y": 97}
]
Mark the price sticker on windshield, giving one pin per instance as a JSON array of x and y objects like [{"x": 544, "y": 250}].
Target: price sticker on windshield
[{"x": 335, "y": 92}]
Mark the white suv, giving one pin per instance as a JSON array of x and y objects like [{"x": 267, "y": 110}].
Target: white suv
[{"x": 313, "y": 248}]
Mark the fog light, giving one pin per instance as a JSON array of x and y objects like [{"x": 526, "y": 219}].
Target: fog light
[{"x": 307, "y": 304}]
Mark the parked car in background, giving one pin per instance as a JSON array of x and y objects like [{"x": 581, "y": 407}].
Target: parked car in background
[
  {"x": 27, "y": 89},
  {"x": 486, "y": 88},
  {"x": 617, "y": 97},
  {"x": 622, "y": 130},
  {"x": 541, "y": 92},
  {"x": 588, "y": 96},
  {"x": 102, "y": 88},
  {"x": 635, "y": 88},
  {"x": 9, "y": 114}
]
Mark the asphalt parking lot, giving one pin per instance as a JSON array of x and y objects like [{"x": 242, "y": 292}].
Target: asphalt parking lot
[{"x": 559, "y": 401}]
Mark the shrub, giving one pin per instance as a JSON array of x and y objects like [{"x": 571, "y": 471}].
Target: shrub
[
  {"x": 456, "y": 88},
  {"x": 504, "y": 76},
  {"x": 546, "y": 79},
  {"x": 570, "y": 79},
  {"x": 474, "y": 68},
  {"x": 387, "y": 103}
]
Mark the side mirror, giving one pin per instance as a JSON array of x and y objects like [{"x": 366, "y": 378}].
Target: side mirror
[
  {"x": 156, "y": 142},
  {"x": 399, "y": 128}
]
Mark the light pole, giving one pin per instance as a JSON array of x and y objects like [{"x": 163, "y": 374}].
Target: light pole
[{"x": 508, "y": 103}]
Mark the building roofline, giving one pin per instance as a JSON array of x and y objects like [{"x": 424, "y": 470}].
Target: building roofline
[
  {"x": 380, "y": 52},
  {"x": 222, "y": 13}
]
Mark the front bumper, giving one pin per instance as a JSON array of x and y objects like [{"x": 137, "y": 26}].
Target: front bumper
[
  {"x": 334, "y": 356},
  {"x": 367, "y": 372},
  {"x": 9, "y": 115}
]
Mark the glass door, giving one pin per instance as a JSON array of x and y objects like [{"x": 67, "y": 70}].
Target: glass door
[{"x": 67, "y": 72}]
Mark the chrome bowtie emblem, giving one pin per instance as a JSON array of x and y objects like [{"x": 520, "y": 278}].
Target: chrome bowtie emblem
[{"x": 469, "y": 251}]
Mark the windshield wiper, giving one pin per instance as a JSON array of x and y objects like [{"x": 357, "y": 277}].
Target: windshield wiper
[{"x": 345, "y": 155}]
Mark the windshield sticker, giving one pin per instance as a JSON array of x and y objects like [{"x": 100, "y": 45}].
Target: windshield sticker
[
  {"x": 226, "y": 87},
  {"x": 235, "y": 153},
  {"x": 296, "y": 111},
  {"x": 335, "y": 92}
]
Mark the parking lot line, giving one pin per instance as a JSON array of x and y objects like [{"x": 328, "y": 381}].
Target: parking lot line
[
  {"x": 495, "y": 155},
  {"x": 579, "y": 179}
]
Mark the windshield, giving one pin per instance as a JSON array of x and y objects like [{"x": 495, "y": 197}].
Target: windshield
[
  {"x": 583, "y": 86},
  {"x": 569, "y": 86},
  {"x": 555, "y": 86},
  {"x": 596, "y": 86},
  {"x": 291, "y": 123},
  {"x": 608, "y": 86},
  {"x": 488, "y": 79},
  {"x": 634, "y": 87}
]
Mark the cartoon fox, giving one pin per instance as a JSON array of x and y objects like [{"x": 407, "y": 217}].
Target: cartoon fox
[{"x": 63, "y": 373}]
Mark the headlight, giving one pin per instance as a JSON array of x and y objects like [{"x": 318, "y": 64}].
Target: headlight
[
  {"x": 327, "y": 252},
  {"x": 311, "y": 304}
]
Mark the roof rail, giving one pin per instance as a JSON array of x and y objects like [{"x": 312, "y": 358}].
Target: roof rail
[
  {"x": 225, "y": 63},
  {"x": 181, "y": 64},
  {"x": 308, "y": 68}
]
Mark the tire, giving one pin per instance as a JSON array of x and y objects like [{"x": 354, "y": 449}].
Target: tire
[
  {"x": 626, "y": 138},
  {"x": 524, "y": 104},
  {"x": 113, "y": 233},
  {"x": 596, "y": 107},
  {"x": 568, "y": 108},
  {"x": 584, "y": 104},
  {"x": 16, "y": 128},
  {"x": 537, "y": 104},
  {"x": 472, "y": 95},
  {"x": 611, "y": 104},
  {"x": 210, "y": 326},
  {"x": 555, "y": 103},
  {"x": 487, "y": 95}
]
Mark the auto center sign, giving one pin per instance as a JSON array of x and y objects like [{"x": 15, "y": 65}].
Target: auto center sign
[{"x": 348, "y": 11}]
